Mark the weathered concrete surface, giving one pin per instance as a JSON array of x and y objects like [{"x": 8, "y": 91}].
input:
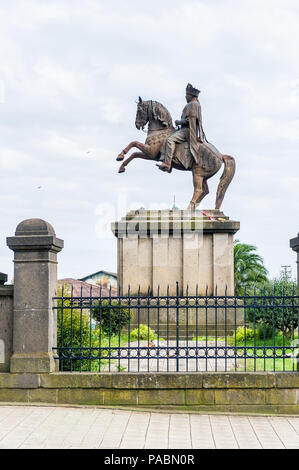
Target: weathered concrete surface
[
  {"x": 159, "y": 248},
  {"x": 261, "y": 392},
  {"x": 6, "y": 326},
  {"x": 35, "y": 249}
]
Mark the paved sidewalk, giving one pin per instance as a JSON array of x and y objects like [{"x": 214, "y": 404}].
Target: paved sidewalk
[{"x": 27, "y": 427}]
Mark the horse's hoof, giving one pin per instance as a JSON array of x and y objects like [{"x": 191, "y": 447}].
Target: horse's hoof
[
  {"x": 120, "y": 157},
  {"x": 121, "y": 170}
]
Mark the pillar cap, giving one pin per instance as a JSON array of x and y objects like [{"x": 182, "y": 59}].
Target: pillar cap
[
  {"x": 35, "y": 235},
  {"x": 34, "y": 227},
  {"x": 294, "y": 243}
]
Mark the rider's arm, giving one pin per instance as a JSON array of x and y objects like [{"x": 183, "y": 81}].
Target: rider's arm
[{"x": 183, "y": 122}]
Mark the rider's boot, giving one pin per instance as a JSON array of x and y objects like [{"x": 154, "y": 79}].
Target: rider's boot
[{"x": 165, "y": 166}]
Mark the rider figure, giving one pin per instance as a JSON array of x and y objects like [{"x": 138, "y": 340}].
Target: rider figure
[{"x": 191, "y": 130}]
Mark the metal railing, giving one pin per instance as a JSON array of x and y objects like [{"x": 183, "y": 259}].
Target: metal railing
[{"x": 255, "y": 331}]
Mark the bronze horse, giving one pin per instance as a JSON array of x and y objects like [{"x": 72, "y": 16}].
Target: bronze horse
[{"x": 160, "y": 127}]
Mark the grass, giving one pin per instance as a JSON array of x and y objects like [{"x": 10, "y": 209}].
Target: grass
[{"x": 258, "y": 352}]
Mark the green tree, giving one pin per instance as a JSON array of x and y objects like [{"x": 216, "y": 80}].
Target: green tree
[
  {"x": 249, "y": 267},
  {"x": 277, "y": 307}
]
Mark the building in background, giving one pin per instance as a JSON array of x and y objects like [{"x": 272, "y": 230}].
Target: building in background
[{"x": 102, "y": 278}]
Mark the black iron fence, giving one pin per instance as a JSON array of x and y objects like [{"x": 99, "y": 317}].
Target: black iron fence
[{"x": 255, "y": 331}]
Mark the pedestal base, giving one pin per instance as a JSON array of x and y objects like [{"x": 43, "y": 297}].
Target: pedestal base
[{"x": 158, "y": 249}]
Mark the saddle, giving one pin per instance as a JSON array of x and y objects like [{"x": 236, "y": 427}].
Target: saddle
[{"x": 208, "y": 153}]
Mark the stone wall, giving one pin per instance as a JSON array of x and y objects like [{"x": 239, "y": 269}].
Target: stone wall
[
  {"x": 6, "y": 326},
  {"x": 236, "y": 392}
]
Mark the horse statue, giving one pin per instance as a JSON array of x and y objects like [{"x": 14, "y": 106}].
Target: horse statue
[{"x": 160, "y": 127}]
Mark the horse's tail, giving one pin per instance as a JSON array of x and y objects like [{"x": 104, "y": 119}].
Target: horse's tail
[{"x": 225, "y": 180}]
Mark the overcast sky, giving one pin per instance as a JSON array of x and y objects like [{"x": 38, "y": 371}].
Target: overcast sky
[{"x": 70, "y": 72}]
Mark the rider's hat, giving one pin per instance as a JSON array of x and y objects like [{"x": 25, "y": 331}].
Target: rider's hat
[{"x": 190, "y": 90}]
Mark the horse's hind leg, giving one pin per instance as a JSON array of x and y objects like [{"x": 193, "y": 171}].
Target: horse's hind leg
[
  {"x": 227, "y": 176},
  {"x": 142, "y": 155}
]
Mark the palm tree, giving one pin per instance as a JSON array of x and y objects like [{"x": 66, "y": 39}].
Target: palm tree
[{"x": 248, "y": 266}]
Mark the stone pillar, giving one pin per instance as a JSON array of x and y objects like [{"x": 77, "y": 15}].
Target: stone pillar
[
  {"x": 159, "y": 248},
  {"x": 294, "y": 243},
  {"x": 35, "y": 249}
]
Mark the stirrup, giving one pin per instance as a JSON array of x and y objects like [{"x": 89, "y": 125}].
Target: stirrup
[{"x": 164, "y": 168}]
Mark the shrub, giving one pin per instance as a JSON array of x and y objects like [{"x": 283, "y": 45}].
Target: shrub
[
  {"x": 143, "y": 333},
  {"x": 74, "y": 330},
  {"x": 112, "y": 316},
  {"x": 242, "y": 332}
]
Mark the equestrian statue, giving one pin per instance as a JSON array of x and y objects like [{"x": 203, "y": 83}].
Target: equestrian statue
[{"x": 183, "y": 148}]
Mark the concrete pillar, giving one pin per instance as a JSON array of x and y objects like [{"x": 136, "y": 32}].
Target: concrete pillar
[
  {"x": 35, "y": 249},
  {"x": 294, "y": 243}
]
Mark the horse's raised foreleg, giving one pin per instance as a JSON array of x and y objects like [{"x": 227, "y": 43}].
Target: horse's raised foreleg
[
  {"x": 142, "y": 147},
  {"x": 142, "y": 155}
]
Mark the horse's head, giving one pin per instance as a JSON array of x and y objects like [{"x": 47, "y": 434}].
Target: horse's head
[
  {"x": 148, "y": 111},
  {"x": 142, "y": 116}
]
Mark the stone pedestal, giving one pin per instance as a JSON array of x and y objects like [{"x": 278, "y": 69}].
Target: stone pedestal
[
  {"x": 157, "y": 249},
  {"x": 35, "y": 249}
]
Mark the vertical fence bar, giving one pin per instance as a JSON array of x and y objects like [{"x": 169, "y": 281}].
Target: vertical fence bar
[
  {"x": 225, "y": 328},
  {"x": 273, "y": 328},
  {"x": 196, "y": 326},
  {"x": 235, "y": 329},
  {"x": 216, "y": 328},
  {"x": 207, "y": 331},
  {"x": 148, "y": 328},
  {"x": 254, "y": 328},
  {"x": 293, "y": 334},
  {"x": 245, "y": 329},
  {"x": 90, "y": 329},
  {"x": 129, "y": 329},
  {"x": 264, "y": 326},
  {"x": 81, "y": 327},
  {"x": 138, "y": 328},
  {"x": 167, "y": 327},
  {"x": 61, "y": 332},
  {"x": 100, "y": 328},
  {"x": 119, "y": 301},
  {"x": 177, "y": 328},
  {"x": 158, "y": 329},
  {"x": 72, "y": 333},
  {"x": 187, "y": 329}
]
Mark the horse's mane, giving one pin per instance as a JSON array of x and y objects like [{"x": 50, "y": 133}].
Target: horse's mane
[{"x": 161, "y": 113}]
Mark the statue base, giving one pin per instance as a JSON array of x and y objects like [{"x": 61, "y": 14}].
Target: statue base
[{"x": 170, "y": 251}]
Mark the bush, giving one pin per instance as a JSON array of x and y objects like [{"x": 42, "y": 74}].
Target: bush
[
  {"x": 264, "y": 331},
  {"x": 75, "y": 331},
  {"x": 143, "y": 333},
  {"x": 112, "y": 316},
  {"x": 242, "y": 332}
]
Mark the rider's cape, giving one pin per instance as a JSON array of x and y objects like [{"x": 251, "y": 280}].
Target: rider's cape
[{"x": 192, "y": 112}]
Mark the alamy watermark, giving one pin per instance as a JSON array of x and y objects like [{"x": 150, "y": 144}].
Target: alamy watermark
[{"x": 156, "y": 218}]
